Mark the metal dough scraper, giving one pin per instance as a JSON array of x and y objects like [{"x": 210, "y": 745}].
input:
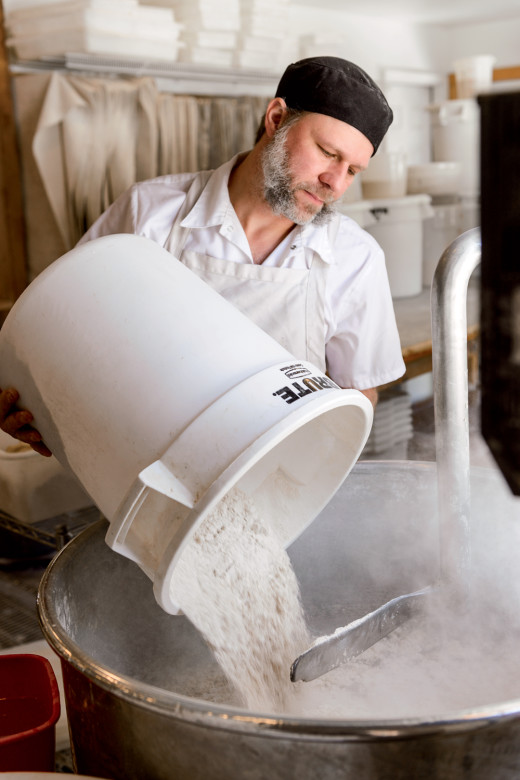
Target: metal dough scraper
[{"x": 328, "y": 652}]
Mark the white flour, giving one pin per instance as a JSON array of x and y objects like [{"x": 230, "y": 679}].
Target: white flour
[
  {"x": 236, "y": 584},
  {"x": 419, "y": 671}
]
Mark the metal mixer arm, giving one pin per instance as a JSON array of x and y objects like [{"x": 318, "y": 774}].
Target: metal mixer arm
[{"x": 450, "y": 390}]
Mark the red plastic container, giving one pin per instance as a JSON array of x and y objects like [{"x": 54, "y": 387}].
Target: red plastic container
[{"x": 29, "y": 709}]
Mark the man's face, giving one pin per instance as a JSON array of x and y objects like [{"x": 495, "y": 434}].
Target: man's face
[{"x": 308, "y": 165}]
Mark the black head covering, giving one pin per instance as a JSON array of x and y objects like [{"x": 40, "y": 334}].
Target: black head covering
[{"x": 337, "y": 88}]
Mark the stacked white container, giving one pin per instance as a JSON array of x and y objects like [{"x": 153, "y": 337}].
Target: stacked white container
[
  {"x": 456, "y": 140},
  {"x": 123, "y": 28},
  {"x": 397, "y": 221},
  {"x": 210, "y": 30},
  {"x": 265, "y": 40}
]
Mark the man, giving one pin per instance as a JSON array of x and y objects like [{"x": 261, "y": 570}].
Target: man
[{"x": 262, "y": 230}]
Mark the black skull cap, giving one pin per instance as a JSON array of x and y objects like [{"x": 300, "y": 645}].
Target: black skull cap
[{"x": 337, "y": 88}]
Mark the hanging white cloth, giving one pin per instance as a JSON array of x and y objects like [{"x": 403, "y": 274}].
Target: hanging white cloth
[
  {"x": 96, "y": 136},
  {"x": 93, "y": 140},
  {"x": 61, "y": 98}
]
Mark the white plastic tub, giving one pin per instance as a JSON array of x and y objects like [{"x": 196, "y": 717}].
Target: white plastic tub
[
  {"x": 440, "y": 230},
  {"x": 435, "y": 178},
  {"x": 161, "y": 397},
  {"x": 33, "y": 488},
  {"x": 398, "y": 228},
  {"x": 358, "y": 210},
  {"x": 474, "y": 75},
  {"x": 456, "y": 138}
]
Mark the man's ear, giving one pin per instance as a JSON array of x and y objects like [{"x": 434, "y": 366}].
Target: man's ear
[{"x": 274, "y": 115}]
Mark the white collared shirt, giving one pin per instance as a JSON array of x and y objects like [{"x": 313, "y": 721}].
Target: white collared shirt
[{"x": 362, "y": 342}]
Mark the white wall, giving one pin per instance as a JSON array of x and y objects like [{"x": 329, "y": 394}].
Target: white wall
[
  {"x": 377, "y": 44},
  {"x": 501, "y": 39},
  {"x": 381, "y": 44},
  {"x": 374, "y": 44}
]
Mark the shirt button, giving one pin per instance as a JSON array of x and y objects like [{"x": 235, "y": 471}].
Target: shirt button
[{"x": 293, "y": 247}]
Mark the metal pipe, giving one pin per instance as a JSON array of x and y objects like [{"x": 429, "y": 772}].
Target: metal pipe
[{"x": 450, "y": 392}]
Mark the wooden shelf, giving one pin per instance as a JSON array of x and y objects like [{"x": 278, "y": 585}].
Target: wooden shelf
[
  {"x": 413, "y": 317},
  {"x": 511, "y": 73}
]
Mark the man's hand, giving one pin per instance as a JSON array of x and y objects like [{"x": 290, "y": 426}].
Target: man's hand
[{"x": 17, "y": 422}]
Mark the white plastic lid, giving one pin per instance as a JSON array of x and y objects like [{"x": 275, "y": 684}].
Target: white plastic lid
[
  {"x": 396, "y": 203},
  {"x": 358, "y": 211},
  {"x": 411, "y": 207}
]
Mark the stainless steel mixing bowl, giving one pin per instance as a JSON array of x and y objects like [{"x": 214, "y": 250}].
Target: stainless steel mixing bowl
[{"x": 136, "y": 679}]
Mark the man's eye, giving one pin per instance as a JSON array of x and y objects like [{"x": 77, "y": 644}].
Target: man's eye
[
  {"x": 352, "y": 172},
  {"x": 326, "y": 153}
]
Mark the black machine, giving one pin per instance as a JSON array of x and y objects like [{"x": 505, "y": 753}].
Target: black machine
[{"x": 500, "y": 280}]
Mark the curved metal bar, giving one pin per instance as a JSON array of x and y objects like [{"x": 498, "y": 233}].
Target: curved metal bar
[{"x": 450, "y": 392}]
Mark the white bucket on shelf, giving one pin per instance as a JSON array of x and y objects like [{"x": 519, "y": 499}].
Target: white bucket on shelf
[
  {"x": 474, "y": 75},
  {"x": 398, "y": 228},
  {"x": 33, "y": 488},
  {"x": 434, "y": 178},
  {"x": 456, "y": 137},
  {"x": 161, "y": 397},
  {"x": 440, "y": 230},
  {"x": 359, "y": 211}
]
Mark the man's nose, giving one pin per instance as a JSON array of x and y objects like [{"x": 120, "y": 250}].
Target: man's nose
[{"x": 336, "y": 179}]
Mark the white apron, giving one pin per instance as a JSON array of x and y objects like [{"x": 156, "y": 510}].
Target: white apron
[{"x": 287, "y": 303}]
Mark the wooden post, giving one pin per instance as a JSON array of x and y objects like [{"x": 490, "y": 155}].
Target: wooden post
[{"x": 13, "y": 266}]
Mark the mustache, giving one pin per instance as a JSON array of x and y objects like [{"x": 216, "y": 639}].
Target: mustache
[{"x": 323, "y": 193}]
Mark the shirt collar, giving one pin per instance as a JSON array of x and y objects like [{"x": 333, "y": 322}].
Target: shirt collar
[
  {"x": 213, "y": 208},
  {"x": 214, "y": 204},
  {"x": 318, "y": 238}
]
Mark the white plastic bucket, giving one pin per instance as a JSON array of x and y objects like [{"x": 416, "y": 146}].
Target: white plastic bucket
[
  {"x": 33, "y": 488},
  {"x": 434, "y": 178},
  {"x": 161, "y": 396},
  {"x": 359, "y": 212},
  {"x": 440, "y": 230},
  {"x": 456, "y": 138},
  {"x": 474, "y": 75},
  {"x": 398, "y": 228}
]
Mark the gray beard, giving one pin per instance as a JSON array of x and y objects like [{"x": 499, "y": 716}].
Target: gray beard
[{"x": 278, "y": 187}]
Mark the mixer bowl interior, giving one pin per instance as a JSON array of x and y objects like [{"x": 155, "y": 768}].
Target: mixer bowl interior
[
  {"x": 361, "y": 551},
  {"x": 377, "y": 538}
]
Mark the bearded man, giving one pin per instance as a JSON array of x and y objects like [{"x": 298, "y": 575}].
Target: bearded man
[{"x": 262, "y": 230}]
